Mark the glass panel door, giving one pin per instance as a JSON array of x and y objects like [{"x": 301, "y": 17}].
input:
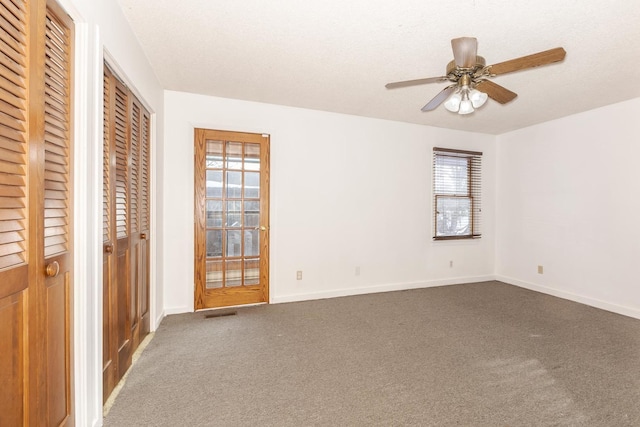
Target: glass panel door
[{"x": 234, "y": 198}]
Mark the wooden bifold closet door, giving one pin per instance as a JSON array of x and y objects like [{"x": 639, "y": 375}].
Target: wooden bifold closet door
[
  {"x": 36, "y": 378},
  {"x": 126, "y": 223}
]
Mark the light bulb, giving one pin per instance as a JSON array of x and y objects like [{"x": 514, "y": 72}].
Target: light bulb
[
  {"x": 453, "y": 103},
  {"x": 477, "y": 98},
  {"x": 466, "y": 107}
]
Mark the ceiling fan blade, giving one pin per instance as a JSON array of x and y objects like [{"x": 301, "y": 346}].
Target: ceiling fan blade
[
  {"x": 439, "y": 98},
  {"x": 529, "y": 61},
  {"x": 416, "y": 82},
  {"x": 465, "y": 50},
  {"x": 496, "y": 92}
]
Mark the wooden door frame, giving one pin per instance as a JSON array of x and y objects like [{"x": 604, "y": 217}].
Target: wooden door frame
[{"x": 201, "y": 299}]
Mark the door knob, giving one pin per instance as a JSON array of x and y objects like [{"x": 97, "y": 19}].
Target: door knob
[
  {"x": 143, "y": 236},
  {"x": 261, "y": 228},
  {"x": 108, "y": 248},
  {"x": 52, "y": 270}
]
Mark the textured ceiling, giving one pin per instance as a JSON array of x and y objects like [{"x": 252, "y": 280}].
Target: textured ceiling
[{"x": 337, "y": 55}]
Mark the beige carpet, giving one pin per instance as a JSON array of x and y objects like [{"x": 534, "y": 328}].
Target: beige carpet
[{"x": 485, "y": 354}]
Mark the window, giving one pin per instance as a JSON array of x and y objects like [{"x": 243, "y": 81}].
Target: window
[{"x": 456, "y": 193}]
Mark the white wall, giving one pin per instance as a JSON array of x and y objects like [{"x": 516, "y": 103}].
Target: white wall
[
  {"x": 568, "y": 199},
  {"x": 346, "y": 191},
  {"x": 322, "y": 160},
  {"x": 100, "y": 25}
]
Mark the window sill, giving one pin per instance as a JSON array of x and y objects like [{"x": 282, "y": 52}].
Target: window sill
[{"x": 477, "y": 236}]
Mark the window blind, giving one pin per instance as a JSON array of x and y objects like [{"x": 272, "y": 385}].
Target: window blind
[{"x": 457, "y": 194}]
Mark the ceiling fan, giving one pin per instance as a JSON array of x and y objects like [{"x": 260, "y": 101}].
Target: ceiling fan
[{"x": 469, "y": 74}]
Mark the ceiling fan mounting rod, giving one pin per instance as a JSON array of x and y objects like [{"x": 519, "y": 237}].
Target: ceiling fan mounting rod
[{"x": 480, "y": 64}]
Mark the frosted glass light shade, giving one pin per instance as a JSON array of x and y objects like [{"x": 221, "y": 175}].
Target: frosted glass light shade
[
  {"x": 466, "y": 107},
  {"x": 477, "y": 98},
  {"x": 453, "y": 103}
]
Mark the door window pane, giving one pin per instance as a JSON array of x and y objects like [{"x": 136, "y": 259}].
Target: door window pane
[
  {"x": 234, "y": 185},
  {"x": 234, "y": 245},
  {"x": 214, "y": 184},
  {"x": 214, "y": 274},
  {"x": 252, "y": 157},
  {"x": 214, "y": 243},
  {"x": 252, "y": 271},
  {"x": 234, "y": 213},
  {"x": 234, "y": 155},
  {"x": 251, "y": 213},
  {"x": 252, "y": 185},
  {"x": 251, "y": 242},
  {"x": 214, "y": 154},
  {"x": 214, "y": 213},
  {"x": 233, "y": 273}
]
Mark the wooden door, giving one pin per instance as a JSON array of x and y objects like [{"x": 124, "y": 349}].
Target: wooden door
[
  {"x": 231, "y": 218},
  {"x": 126, "y": 224},
  {"x": 35, "y": 214},
  {"x": 110, "y": 366},
  {"x": 55, "y": 295},
  {"x": 15, "y": 219},
  {"x": 121, "y": 205},
  {"x": 144, "y": 253},
  {"x": 139, "y": 221}
]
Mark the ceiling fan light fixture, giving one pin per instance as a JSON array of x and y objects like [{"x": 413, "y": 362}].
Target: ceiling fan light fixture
[
  {"x": 477, "y": 98},
  {"x": 466, "y": 107},
  {"x": 453, "y": 102},
  {"x": 465, "y": 100}
]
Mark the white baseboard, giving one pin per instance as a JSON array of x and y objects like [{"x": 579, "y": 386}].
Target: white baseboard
[
  {"x": 176, "y": 310},
  {"x": 379, "y": 288},
  {"x": 614, "y": 308},
  {"x": 163, "y": 314}
]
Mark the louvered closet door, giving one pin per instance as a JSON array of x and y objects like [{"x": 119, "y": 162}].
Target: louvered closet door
[
  {"x": 121, "y": 182},
  {"x": 35, "y": 214},
  {"x": 145, "y": 223},
  {"x": 139, "y": 220},
  {"x": 134, "y": 193},
  {"x": 14, "y": 217},
  {"x": 109, "y": 337},
  {"x": 56, "y": 298},
  {"x": 126, "y": 218}
]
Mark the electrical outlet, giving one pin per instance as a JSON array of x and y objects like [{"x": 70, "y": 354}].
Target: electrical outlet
[
  {"x": 299, "y": 275},
  {"x": 450, "y": 264},
  {"x": 540, "y": 269}
]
